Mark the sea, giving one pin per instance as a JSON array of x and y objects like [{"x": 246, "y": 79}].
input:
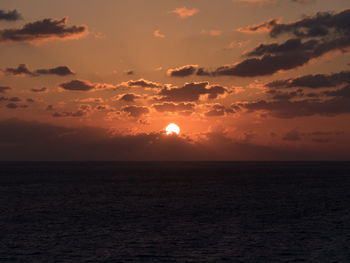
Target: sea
[{"x": 174, "y": 212}]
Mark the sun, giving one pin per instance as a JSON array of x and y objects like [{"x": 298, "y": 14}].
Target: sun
[{"x": 172, "y": 128}]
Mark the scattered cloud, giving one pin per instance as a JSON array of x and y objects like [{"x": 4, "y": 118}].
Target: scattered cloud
[
  {"x": 158, "y": 34},
  {"x": 44, "y": 30},
  {"x": 13, "y": 15},
  {"x": 191, "y": 92},
  {"x": 3, "y": 89},
  {"x": 184, "y": 12},
  {"x": 135, "y": 111},
  {"x": 83, "y": 85},
  {"x": 183, "y": 71}
]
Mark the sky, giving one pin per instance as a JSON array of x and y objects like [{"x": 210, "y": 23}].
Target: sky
[{"x": 243, "y": 79}]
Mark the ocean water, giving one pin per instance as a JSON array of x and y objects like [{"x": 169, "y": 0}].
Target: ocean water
[{"x": 175, "y": 212}]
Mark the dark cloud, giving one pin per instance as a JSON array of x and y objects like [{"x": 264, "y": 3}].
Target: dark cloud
[
  {"x": 173, "y": 107},
  {"x": 183, "y": 71},
  {"x": 43, "y": 89},
  {"x": 135, "y": 111},
  {"x": 3, "y": 89},
  {"x": 129, "y": 97},
  {"x": 13, "y": 106},
  {"x": 293, "y": 135},
  {"x": 313, "y": 81},
  {"x": 129, "y": 72},
  {"x": 82, "y": 111},
  {"x": 10, "y": 15},
  {"x": 191, "y": 92},
  {"x": 301, "y": 108},
  {"x": 218, "y": 110},
  {"x": 12, "y": 99},
  {"x": 60, "y": 71},
  {"x": 143, "y": 83},
  {"x": 279, "y": 95},
  {"x": 343, "y": 92},
  {"x": 44, "y": 30},
  {"x": 83, "y": 85},
  {"x": 313, "y": 37},
  {"x": 45, "y": 142},
  {"x": 23, "y": 69}
]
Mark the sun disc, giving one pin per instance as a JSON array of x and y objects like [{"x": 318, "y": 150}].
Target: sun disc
[{"x": 172, "y": 128}]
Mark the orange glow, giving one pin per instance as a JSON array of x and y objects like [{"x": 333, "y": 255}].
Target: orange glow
[{"x": 172, "y": 128}]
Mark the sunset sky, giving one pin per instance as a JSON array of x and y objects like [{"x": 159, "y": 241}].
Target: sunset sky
[{"x": 243, "y": 79}]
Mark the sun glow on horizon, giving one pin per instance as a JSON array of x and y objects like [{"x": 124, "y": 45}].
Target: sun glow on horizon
[{"x": 172, "y": 128}]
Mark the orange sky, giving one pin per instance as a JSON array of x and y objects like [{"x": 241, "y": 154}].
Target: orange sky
[{"x": 244, "y": 80}]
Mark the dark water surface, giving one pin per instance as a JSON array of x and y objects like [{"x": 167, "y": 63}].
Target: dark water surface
[{"x": 175, "y": 212}]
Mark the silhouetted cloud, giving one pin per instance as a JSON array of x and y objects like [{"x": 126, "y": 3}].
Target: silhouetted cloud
[
  {"x": 23, "y": 69},
  {"x": 184, "y": 12},
  {"x": 43, "y": 89},
  {"x": 173, "y": 107},
  {"x": 12, "y": 99},
  {"x": 293, "y": 135},
  {"x": 191, "y": 92},
  {"x": 313, "y": 37},
  {"x": 14, "y": 106},
  {"x": 83, "y": 110},
  {"x": 135, "y": 111},
  {"x": 43, "y": 142},
  {"x": 3, "y": 89},
  {"x": 279, "y": 95},
  {"x": 60, "y": 71},
  {"x": 10, "y": 15},
  {"x": 43, "y": 30},
  {"x": 183, "y": 71},
  {"x": 129, "y": 97},
  {"x": 218, "y": 110},
  {"x": 83, "y": 85},
  {"x": 343, "y": 92},
  {"x": 301, "y": 108},
  {"x": 143, "y": 83},
  {"x": 313, "y": 81}
]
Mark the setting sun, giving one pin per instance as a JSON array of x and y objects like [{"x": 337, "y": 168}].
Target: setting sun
[{"x": 172, "y": 128}]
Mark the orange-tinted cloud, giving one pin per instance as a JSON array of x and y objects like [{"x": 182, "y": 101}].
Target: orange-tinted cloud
[{"x": 184, "y": 12}]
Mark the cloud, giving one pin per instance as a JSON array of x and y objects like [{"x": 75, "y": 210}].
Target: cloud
[
  {"x": 23, "y": 69},
  {"x": 184, "y": 12},
  {"x": 302, "y": 108},
  {"x": 82, "y": 111},
  {"x": 313, "y": 81},
  {"x": 43, "y": 89},
  {"x": 313, "y": 37},
  {"x": 143, "y": 83},
  {"x": 173, "y": 107},
  {"x": 191, "y": 92},
  {"x": 218, "y": 110},
  {"x": 3, "y": 89},
  {"x": 47, "y": 142},
  {"x": 60, "y": 71},
  {"x": 129, "y": 72},
  {"x": 213, "y": 32},
  {"x": 129, "y": 97},
  {"x": 343, "y": 92},
  {"x": 43, "y": 30},
  {"x": 279, "y": 95},
  {"x": 183, "y": 71},
  {"x": 14, "y": 106},
  {"x": 12, "y": 99},
  {"x": 10, "y": 15},
  {"x": 83, "y": 85},
  {"x": 293, "y": 135},
  {"x": 158, "y": 34},
  {"x": 135, "y": 111}
]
